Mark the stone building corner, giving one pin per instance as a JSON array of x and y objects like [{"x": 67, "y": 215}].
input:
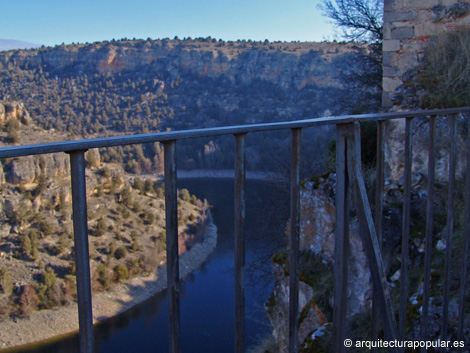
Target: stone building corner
[{"x": 408, "y": 27}]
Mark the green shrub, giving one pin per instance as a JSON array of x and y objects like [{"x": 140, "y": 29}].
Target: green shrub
[
  {"x": 6, "y": 285},
  {"x": 47, "y": 293},
  {"x": 149, "y": 218},
  {"x": 121, "y": 272},
  {"x": 443, "y": 78},
  {"x": 184, "y": 194},
  {"x": 26, "y": 244},
  {"x": 100, "y": 228},
  {"x": 103, "y": 275},
  {"x": 120, "y": 253}
]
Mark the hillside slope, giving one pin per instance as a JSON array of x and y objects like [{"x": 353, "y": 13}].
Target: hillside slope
[{"x": 155, "y": 85}]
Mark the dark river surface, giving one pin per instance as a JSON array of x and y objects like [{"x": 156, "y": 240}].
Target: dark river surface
[{"x": 207, "y": 296}]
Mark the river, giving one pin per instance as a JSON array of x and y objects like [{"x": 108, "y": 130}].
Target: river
[{"x": 207, "y": 296}]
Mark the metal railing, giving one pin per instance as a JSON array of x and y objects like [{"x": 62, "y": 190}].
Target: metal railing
[{"x": 350, "y": 182}]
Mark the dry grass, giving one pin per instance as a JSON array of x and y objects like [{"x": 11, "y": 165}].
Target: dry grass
[{"x": 444, "y": 75}]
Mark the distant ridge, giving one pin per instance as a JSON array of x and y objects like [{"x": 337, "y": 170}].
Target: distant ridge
[{"x": 8, "y": 44}]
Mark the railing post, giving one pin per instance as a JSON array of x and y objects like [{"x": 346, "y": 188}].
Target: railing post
[
  {"x": 294, "y": 241},
  {"x": 450, "y": 226},
  {"x": 369, "y": 237},
  {"x": 171, "y": 213},
  {"x": 378, "y": 216},
  {"x": 239, "y": 223},
  {"x": 429, "y": 230},
  {"x": 82, "y": 258},
  {"x": 405, "y": 230},
  {"x": 341, "y": 240},
  {"x": 466, "y": 240}
]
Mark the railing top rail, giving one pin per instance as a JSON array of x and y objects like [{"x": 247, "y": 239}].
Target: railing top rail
[{"x": 85, "y": 144}]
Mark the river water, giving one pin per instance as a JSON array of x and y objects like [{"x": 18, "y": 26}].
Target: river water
[{"x": 207, "y": 296}]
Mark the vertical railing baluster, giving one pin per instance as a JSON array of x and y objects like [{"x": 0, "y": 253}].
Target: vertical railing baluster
[
  {"x": 450, "y": 225},
  {"x": 466, "y": 240},
  {"x": 369, "y": 237},
  {"x": 172, "y": 260},
  {"x": 405, "y": 240},
  {"x": 239, "y": 218},
  {"x": 294, "y": 241},
  {"x": 429, "y": 229},
  {"x": 379, "y": 185},
  {"x": 82, "y": 258},
  {"x": 341, "y": 241}
]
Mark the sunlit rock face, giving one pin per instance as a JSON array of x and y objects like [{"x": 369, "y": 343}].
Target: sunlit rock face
[
  {"x": 14, "y": 110},
  {"x": 317, "y": 236},
  {"x": 289, "y": 65},
  {"x": 395, "y": 150}
]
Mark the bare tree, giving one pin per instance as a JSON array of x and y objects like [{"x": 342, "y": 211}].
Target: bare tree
[{"x": 358, "y": 19}]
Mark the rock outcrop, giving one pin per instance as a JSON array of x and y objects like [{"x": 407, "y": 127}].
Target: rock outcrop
[
  {"x": 317, "y": 227},
  {"x": 30, "y": 168},
  {"x": 14, "y": 110},
  {"x": 395, "y": 149},
  {"x": 285, "y": 64}
]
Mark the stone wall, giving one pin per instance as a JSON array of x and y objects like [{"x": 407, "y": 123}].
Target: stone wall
[{"x": 408, "y": 27}]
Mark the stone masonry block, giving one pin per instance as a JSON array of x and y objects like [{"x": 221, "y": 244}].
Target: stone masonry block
[
  {"x": 416, "y": 47},
  {"x": 425, "y": 16},
  {"x": 389, "y": 71},
  {"x": 427, "y": 29},
  {"x": 389, "y": 5},
  {"x": 389, "y": 84},
  {"x": 387, "y": 100},
  {"x": 421, "y": 4},
  {"x": 391, "y": 45},
  {"x": 387, "y": 30},
  {"x": 402, "y": 16},
  {"x": 403, "y": 33},
  {"x": 449, "y": 2},
  {"x": 405, "y": 61},
  {"x": 398, "y": 24},
  {"x": 387, "y": 58}
]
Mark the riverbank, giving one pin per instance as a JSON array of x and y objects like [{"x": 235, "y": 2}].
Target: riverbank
[{"x": 46, "y": 324}]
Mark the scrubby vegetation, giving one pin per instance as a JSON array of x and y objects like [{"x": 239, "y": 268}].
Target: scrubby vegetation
[
  {"x": 126, "y": 235},
  {"x": 89, "y": 99},
  {"x": 443, "y": 78}
]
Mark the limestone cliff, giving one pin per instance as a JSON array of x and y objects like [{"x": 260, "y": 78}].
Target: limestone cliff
[
  {"x": 29, "y": 169},
  {"x": 317, "y": 226},
  {"x": 395, "y": 150},
  {"x": 286, "y": 64},
  {"x": 137, "y": 86},
  {"x": 14, "y": 110}
]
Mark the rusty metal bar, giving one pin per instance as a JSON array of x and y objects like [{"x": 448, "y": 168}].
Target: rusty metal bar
[
  {"x": 429, "y": 229},
  {"x": 69, "y": 146},
  {"x": 82, "y": 258},
  {"x": 240, "y": 164},
  {"x": 341, "y": 240},
  {"x": 294, "y": 241},
  {"x": 466, "y": 240},
  {"x": 379, "y": 186},
  {"x": 369, "y": 237},
  {"x": 450, "y": 225},
  {"x": 172, "y": 260},
  {"x": 405, "y": 240}
]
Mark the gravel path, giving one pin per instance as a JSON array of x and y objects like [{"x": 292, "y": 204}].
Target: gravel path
[{"x": 46, "y": 324}]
